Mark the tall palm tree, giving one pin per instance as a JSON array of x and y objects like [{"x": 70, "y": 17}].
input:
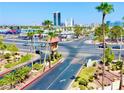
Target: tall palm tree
[
  {"x": 121, "y": 71},
  {"x": 105, "y": 8},
  {"x": 49, "y": 38},
  {"x": 40, "y": 38}
]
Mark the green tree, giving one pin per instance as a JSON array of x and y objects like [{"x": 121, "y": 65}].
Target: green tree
[
  {"x": 121, "y": 71},
  {"x": 105, "y": 8},
  {"x": 11, "y": 79},
  {"x": 109, "y": 56},
  {"x": 99, "y": 34},
  {"x": 40, "y": 39},
  {"x": 30, "y": 35},
  {"x": 78, "y": 30},
  {"x": 48, "y": 24},
  {"x": 115, "y": 32}
]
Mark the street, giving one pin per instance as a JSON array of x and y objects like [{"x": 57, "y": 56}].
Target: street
[{"x": 75, "y": 54}]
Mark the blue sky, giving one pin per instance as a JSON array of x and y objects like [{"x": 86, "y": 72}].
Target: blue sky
[{"x": 34, "y": 13}]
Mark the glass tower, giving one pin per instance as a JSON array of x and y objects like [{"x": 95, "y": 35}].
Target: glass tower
[{"x": 57, "y": 18}]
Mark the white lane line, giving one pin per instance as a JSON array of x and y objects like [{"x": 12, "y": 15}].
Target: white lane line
[{"x": 59, "y": 75}]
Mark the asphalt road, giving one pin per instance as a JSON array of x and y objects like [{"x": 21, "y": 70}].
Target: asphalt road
[{"x": 75, "y": 53}]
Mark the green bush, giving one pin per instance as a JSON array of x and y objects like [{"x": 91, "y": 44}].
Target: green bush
[
  {"x": 37, "y": 66},
  {"x": 94, "y": 64},
  {"x": 83, "y": 81},
  {"x": 75, "y": 84},
  {"x": 90, "y": 88},
  {"x": 91, "y": 78},
  {"x": 7, "y": 55},
  {"x": 82, "y": 87}
]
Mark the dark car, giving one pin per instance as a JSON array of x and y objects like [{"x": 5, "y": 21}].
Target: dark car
[
  {"x": 116, "y": 47},
  {"x": 38, "y": 52},
  {"x": 102, "y": 45}
]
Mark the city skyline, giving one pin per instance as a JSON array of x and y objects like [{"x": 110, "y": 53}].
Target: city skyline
[{"x": 35, "y": 13}]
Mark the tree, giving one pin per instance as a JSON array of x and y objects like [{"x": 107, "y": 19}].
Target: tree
[
  {"x": 109, "y": 56},
  {"x": 115, "y": 32},
  {"x": 11, "y": 79},
  {"x": 40, "y": 38},
  {"x": 78, "y": 30},
  {"x": 30, "y": 35},
  {"x": 99, "y": 34},
  {"x": 48, "y": 24},
  {"x": 105, "y": 8},
  {"x": 51, "y": 35},
  {"x": 121, "y": 71}
]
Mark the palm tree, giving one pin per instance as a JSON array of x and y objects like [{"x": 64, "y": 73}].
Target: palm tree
[
  {"x": 105, "y": 8},
  {"x": 78, "y": 30},
  {"x": 30, "y": 35},
  {"x": 40, "y": 38},
  {"x": 121, "y": 71},
  {"x": 48, "y": 24},
  {"x": 51, "y": 35},
  {"x": 11, "y": 79}
]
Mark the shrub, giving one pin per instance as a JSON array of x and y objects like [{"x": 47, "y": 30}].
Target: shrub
[
  {"x": 7, "y": 55},
  {"x": 90, "y": 88},
  {"x": 113, "y": 68},
  {"x": 91, "y": 78},
  {"x": 75, "y": 84},
  {"x": 94, "y": 64},
  {"x": 22, "y": 60},
  {"x": 82, "y": 87},
  {"x": 83, "y": 81},
  {"x": 77, "y": 78},
  {"x": 37, "y": 66}
]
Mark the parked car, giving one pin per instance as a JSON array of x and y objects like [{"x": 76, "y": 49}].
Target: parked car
[
  {"x": 102, "y": 45},
  {"x": 116, "y": 47}
]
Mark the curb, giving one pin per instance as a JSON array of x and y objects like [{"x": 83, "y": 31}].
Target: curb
[
  {"x": 60, "y": 61},
  {"x": 5, "y": 73}
]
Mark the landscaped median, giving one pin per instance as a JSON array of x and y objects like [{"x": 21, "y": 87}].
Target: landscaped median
[
  {"x": 84, "y": 78},
  {"x": 24, "y": 76},
  {"x": 11, "y": 62}
]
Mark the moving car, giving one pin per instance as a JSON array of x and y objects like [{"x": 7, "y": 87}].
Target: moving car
[
  {"x": 102, "y": 45},
  {"x": 38, "y": 52},
  {"x": 25, "y": 44}
]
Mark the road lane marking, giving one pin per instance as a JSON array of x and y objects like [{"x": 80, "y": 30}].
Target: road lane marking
[
  {"x": 63, "y": 80},
  {"x": 59, "y": 75}
]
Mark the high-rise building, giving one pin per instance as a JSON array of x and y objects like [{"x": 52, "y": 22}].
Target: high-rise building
[
  {"x": 57, "y": 18},
  {"x": 69, "y": 22}
]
